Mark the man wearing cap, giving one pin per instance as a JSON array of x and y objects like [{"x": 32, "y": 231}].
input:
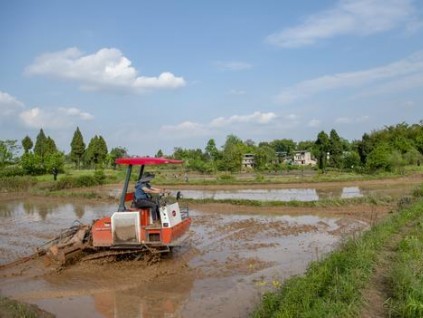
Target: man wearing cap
[{"x": 143, "y": 191}]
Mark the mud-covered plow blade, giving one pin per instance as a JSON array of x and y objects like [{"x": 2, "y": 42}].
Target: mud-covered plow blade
[{"x": 69, "y": 244}]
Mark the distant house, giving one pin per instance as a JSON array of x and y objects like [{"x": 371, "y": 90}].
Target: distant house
[
  {"x": 282, "y": 156},
  {"x": 248, "y": 161},
  {"x": 304, "y": 158}
]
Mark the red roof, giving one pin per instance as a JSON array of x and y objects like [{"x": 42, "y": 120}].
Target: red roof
[{"x": 145, "y": 161}]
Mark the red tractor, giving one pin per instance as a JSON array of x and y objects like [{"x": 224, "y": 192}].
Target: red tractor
[{"x": 129, "y": 230}]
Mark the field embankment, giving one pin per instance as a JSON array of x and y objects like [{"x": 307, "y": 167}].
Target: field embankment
[{"x": 338, "y": 286}]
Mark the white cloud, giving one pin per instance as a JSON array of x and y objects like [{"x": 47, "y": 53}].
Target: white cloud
[
  {"x": 103, "y": 70},
  {"x": 349, "y": 17},
  {"x": 9, "y": 105},
  {"x": 314, "y": 123},
  {"x": 351, "y": 120},
  {"x": 256, "y": 118},
  {"x": 75, "y": 112},
  {"x": 291, "y": 116},
  {"x": 53, "y": 119},
  {"x": 192, "y": 128},
  {"x": 408, "y": 71},
  {"x": 233, "y": 66},
  {"x": 185, "y": 129}
]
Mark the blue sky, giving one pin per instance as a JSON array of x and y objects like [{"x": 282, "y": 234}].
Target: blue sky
[{"x": 150, "y": 75}]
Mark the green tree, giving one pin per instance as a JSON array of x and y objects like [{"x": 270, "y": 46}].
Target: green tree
[
  {"x": 284, "y": 145},
  {"x": 117, "y": 152},
  {"x": 50, "y": 146},
  {"x": 232, "y": 153},
  {"x": 365, "y": 147},
  {"x": 351, "y": 160},
  {"x": 8, "y": 149},
  {"x": 321, "y": 149},
  {"x": 103, "y": 151},
  {"x": 306, "y": 145},
  {"x": 55, "y": 160},
  {"x": 159, "y": 154},
  {"x": 27, "y": 144},
  {"x": 77, "y": 148},
  {"x": 97, "y": 151},
  {"x": 32, "y": 164},
  {"x": 40, "y": 147},
  {"x": 211, "y": 151},
  {"x": 335, "y": 149},
  {"x": 265, "y": 156},
  {"x": 44, "y": 146},
  {"x": 380, "y": 158}
]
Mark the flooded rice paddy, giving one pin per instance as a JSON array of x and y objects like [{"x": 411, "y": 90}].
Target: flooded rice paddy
[
  {"x": 228, "y": 262},
  {"x": 299, "y": 194}
]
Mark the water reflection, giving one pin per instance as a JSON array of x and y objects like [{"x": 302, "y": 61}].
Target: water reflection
[
  {"x": 351, "y": 192},
  {"x": 43, "y": 209},
  {"x": 40, "y": 220},
  {"x": 308, "y": 194}
]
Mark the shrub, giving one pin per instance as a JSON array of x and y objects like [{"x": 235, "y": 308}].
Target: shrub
[
  {"x": 68, "y": 182},
  {"x": 16, "y": 183},
  {"x": 86, "y": 181},
  {"x": 10, "y": 171},
  {"x": 99, "y": 176}
]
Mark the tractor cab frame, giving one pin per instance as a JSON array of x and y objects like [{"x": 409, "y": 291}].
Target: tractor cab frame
[{"x": 133, "y": 228}]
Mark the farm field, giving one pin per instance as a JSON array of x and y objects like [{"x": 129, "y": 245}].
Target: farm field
[{"x": 235, "y": 253}]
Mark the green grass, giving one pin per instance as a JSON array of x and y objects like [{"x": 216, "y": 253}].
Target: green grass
[
  {"x": 10, "y": 308},
  {"x": 168, "y": 175},
  {"x": 375, "y": 200},
  {"x": 332, "y": 287},
  {"x": 406, "y": 276},
  {"x": 17, "y": 183}
]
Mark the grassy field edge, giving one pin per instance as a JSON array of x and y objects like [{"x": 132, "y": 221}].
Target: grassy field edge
[{"x": 333, "y": 287}]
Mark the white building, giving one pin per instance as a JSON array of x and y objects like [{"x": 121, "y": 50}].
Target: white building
[
  {"x": 248, "y": 161},
  {"x": 304, "y": 158}
]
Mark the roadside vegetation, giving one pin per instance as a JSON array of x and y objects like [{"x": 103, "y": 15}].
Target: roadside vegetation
[
  {"x": 374, "y": 200},
  {"x": 10, "y": 308},
  {"x": 406, "y": 275},
  {"x": 333, "y": 287}
]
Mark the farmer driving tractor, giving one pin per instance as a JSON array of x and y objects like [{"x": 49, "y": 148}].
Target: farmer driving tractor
[{"x": 143, "y": 198}]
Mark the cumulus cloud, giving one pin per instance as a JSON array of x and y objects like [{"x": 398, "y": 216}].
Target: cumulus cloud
[
  {"x": 408, "y": 71},
  {"x": 185, "y": 129},
  {"x": 349, "y": 17},
  {"x": 232, "y": 65},
  {"x": 107, "y": 69},
  {"x": 76, "y": 113},
  {"x": 256, "y": 118},
  {"x": 53, "y": 119},
  {"x": 9, "y": 105},
  {"x": 192, "y": 128}
]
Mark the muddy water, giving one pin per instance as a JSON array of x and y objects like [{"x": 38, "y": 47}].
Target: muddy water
[
  {"x": 223, "y": 269},
  {"x": 301, "y": 194}
]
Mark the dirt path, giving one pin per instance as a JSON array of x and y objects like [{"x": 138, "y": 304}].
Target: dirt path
[{"x": 378, "y": 290}]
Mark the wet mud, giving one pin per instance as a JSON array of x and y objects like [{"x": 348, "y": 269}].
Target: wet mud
[{"x": 233, "y": 255}]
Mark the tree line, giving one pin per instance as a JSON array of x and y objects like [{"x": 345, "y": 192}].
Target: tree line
[
  {"x": 386, "y": 149},
  {"x": 43, "y": 156}
]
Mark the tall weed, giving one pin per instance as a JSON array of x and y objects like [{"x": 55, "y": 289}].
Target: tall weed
[{"x": 16, "y": 183}]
